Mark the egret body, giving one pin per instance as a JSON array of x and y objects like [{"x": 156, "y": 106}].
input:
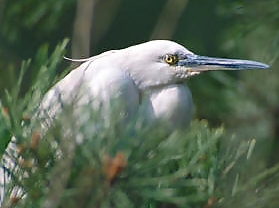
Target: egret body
[{"x": 146, "y": 79}]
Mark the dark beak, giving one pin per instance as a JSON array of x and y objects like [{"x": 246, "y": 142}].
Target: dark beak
[{"x": 203, "y": 63}]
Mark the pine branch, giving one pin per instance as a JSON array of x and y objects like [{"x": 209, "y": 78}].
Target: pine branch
[{"x": 79, "y": 162}]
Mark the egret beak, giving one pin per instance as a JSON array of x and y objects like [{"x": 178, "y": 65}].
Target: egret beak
[{"x": 203, "y": 63}]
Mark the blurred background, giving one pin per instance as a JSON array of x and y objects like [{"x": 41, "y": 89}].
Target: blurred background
[{"x": 246, "y": 103}]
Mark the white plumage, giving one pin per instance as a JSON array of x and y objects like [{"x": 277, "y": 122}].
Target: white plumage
[{"x": 144, "y": 81}]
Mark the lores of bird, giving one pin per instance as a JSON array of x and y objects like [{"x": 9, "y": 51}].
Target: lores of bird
[{"x": 146, "y": 80}]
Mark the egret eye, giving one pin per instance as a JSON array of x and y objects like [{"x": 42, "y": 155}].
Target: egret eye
[{"x": 170, "y": 59}]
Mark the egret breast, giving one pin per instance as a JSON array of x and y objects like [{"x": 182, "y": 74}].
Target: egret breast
[{"x": 171, "y": 105}]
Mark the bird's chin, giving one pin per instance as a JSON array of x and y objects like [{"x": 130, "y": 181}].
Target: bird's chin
[
  {"x": 193, "y": 73},
  {"x": 182, "y": 73},
  {"x": 185, "y": 75}
]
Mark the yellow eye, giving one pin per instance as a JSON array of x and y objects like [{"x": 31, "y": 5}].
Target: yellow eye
[{"x": 171, "y": 59}]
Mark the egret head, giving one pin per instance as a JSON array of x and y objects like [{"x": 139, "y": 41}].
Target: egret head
[{"x": 163, "y": 62}]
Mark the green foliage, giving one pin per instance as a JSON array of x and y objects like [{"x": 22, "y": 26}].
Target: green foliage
[
  {"x": 178, "y": 170},
  {"x": 136, "y": 168},
  {"x": 77, "y": 165},
  {"x": 255, "y": 109},
  {"x": 216, "y": 168},
  {"x": 25, "y": 16},
  {"x": 15, "y": 108}
]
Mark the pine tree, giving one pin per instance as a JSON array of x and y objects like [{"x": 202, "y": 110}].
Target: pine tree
[{"x": 137, "y": 168}]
